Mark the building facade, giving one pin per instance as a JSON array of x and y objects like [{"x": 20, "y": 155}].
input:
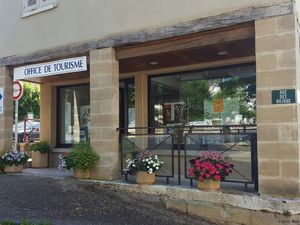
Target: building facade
[{"x": 103, "y": 65}]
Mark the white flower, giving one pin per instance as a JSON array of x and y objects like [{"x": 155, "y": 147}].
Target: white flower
[
  {"x": 133, "y": 165},
  {"x": 157, "y": 168},
  {"x": 155, "y": 157},
  {"x": 147, "y": 159},
  {"x": 148, "y": 167}
]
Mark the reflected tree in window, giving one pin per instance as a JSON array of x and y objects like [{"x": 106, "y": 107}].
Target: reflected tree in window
[{"x": 195, "y": 92}]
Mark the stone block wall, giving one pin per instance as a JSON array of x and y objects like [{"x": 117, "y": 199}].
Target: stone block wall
[
  {"x": 104, "y": 97},
  {"x": 277, "y": 47},
  {"x": 6, "y": 119}
]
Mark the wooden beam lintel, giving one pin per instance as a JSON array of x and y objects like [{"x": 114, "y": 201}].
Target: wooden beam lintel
[
  {"x": 228, "y": 62},
  {"x": 188, "y": 42}
]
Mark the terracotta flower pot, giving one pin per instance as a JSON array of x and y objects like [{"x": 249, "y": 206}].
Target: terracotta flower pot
[
  {"x": 81, "y": 174},
  {"x": 13, "y": 169},
  {"x": 208, "y": 185},
  {"x": 144, "y": 178},
  {"x": 39, "y": 160}
]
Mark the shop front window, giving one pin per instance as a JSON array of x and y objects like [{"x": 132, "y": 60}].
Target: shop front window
[
  {"x": 73, "y": 114},
  {"x": 127, "y": 103},
  {"x": 223, "y": 96}
]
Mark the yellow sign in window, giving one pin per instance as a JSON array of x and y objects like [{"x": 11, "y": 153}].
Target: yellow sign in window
[{"x": 218, "y": 105}]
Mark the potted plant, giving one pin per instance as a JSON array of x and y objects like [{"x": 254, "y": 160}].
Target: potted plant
[
  {"x": 2, "y": 166},
  {"x": 144, "y": 165},
  {"x": 39, "y": 154},
  {"x": 209, "y": 169},
  {"x": 14, "y": 161},
  {"x": 81, "y": 159}
]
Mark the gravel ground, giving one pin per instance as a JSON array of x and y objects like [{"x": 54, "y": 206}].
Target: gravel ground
[{"x": 68, "y": 201}]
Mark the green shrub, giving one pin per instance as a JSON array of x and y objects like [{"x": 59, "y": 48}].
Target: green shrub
[
  {"x": 25, "y": 222},
  {"x": 42, "y": 147},
  {"x": 44, "y": 222},
  {"x": 81, "y": 157},
  {"x": 1, "y": 165},
  {"x": 7, "y": 222}
]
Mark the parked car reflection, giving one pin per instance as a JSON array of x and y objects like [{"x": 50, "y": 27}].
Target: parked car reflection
[{"x": 32, "y": 131}]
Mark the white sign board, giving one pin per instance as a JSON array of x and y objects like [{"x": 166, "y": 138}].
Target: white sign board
[
  {"x": 1, "y": 100},
  {"x": 51, "y": 68}
]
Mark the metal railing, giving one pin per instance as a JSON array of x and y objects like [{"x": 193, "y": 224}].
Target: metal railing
[{"x": 177, "y": 145}]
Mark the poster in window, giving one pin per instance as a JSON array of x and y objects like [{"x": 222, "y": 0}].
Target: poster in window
[
  {"x": 68, "y": 122},
  {"x": 84, "y": 115},
  {"x": 179, "y": 113},
  {"x": 131, "y": 117},
  {"x": 218, "y": 105},
  {"x": 167, "y": 114},
  {"x": 84, "y": 122}
]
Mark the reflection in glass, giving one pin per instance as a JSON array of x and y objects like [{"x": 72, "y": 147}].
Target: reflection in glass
[
  {"x": 224, "y": 96},
  {"x": 127, "y": 103},
  {"x": 73, "y": 114}
]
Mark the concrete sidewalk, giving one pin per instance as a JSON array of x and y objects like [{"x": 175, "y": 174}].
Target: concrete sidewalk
[{"x": 48, "y": 172}]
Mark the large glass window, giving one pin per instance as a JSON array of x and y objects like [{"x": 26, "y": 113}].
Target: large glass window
[
  {"x": 73, "y": 114},
  {"x": 223, "y": 96},
  {"x": 127, "y": 103}
]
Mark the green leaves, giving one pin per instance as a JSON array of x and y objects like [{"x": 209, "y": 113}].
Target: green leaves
[
  {"x": 25, "y": 222},
  {"x": 30, "y": 101},
  {"x": 42, "y": 147},
  {"x": 81, "y": 156}
]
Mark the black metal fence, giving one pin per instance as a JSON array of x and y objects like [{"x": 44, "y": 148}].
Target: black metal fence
[{"x": 178, "y": 145}]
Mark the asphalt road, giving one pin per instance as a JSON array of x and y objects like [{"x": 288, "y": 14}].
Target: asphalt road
[{"x": 71, "y": 202}]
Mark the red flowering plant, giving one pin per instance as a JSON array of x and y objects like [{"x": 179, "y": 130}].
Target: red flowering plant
[{"x": 209, "y": 165}]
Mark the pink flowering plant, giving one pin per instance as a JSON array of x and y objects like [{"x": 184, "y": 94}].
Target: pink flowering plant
[
  {"x": 144, "y": 161},
  {"x": 209, "y": 165}
]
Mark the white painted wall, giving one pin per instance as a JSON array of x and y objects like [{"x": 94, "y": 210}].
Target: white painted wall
[
  {"x": 82, "y": 20},
  {"x": 297, "y": 6}
]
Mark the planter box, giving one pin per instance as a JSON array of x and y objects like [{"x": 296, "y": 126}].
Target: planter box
[
  {"x": 39, "y": 160},
  {"x": 13, "y": 169},
  {"x": 81, "y": 174},
  {"x": 144, "y": 178},
  {"x": 208, "y": 185}
]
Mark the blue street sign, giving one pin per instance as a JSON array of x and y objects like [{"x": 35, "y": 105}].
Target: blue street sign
[{"x": 1, "y": 100}]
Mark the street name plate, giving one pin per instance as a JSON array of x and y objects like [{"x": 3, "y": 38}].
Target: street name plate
[{"x": 286, "y": 96}]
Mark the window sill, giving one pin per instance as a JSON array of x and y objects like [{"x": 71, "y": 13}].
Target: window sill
[
  {"x": 61, "y": 150},
  {"x": 39, "y": 10}
]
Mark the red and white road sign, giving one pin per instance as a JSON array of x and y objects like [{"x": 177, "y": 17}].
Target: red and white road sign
[{"x": 17, "y": 90}]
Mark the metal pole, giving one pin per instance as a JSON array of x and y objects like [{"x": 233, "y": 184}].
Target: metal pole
[
  {"x": 25, "y": 136},
  {"x": 16, "y": 123}
]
